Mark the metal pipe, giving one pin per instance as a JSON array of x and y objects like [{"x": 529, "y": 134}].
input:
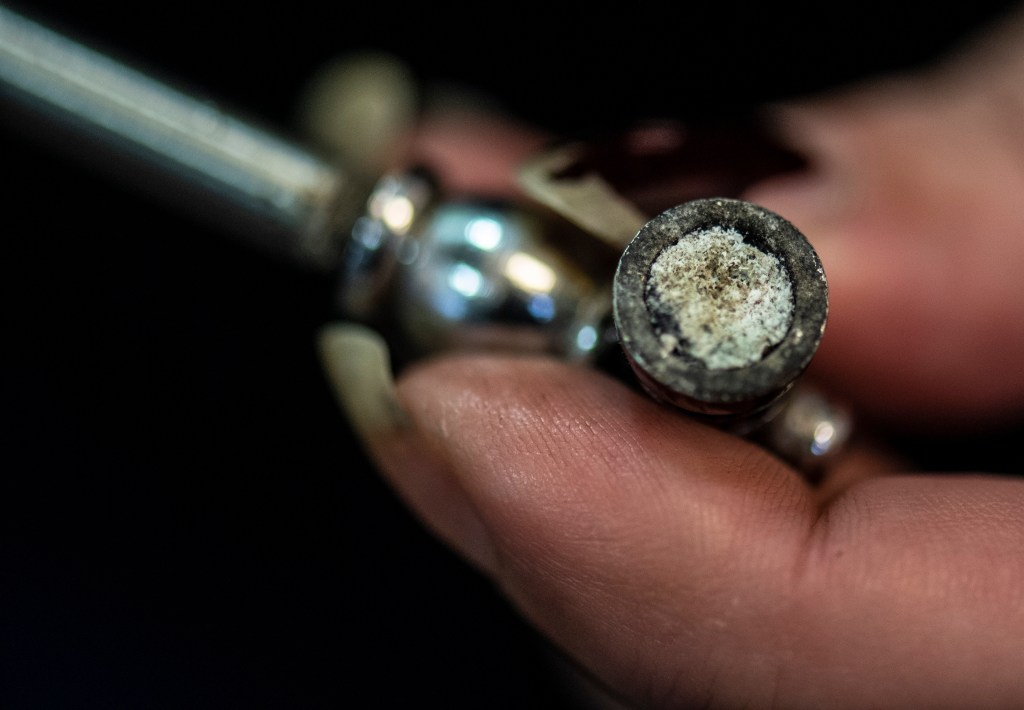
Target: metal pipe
[{"x": 274, "y": 193}]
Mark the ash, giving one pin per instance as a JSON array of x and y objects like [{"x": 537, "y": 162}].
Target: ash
[{"x": 719, "y": 300}]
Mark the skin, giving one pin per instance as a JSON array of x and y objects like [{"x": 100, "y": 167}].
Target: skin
[{"x": 683, "y": 567}]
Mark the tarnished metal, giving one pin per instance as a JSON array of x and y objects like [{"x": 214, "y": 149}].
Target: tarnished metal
[{"x": 732, "y": 296}]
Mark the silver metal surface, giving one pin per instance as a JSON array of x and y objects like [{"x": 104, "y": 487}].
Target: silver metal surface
[
  {"x": 483, "y": 276},
  {"x": 437, "y": 275},
  {"x": 811, "y": 431},
  {"x": 272, "y": 192},
  {"x": 394, "y": 211}
]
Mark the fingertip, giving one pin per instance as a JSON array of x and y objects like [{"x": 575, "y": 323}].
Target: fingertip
[
  {"x": 358, "y": 368},
  {"x": 608, "y": 513}
]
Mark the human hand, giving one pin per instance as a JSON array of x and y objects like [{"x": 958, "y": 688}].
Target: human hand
[{"x": 682, "y": 566}]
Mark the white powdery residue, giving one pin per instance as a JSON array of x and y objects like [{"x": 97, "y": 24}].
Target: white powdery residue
[{"x": 727, "y": 301}]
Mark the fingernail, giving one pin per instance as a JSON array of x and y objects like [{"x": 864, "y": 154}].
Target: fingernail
[{"x": 358, "y": 366}]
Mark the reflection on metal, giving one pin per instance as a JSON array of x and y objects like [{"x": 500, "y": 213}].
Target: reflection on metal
[
  {"x": 484, "y": 277},
  {"x": 484, "y": 233},
  {"x": 377, "y": 245},
  {"x": 810, "y": 431},
  {"x": 465, "y": 280},
  {"x": 530, "y": 273}
]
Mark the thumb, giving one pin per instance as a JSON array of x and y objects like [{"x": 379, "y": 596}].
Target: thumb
[
  {"x": 685, "y": 567},
  {"x": 598, "y": 516}
]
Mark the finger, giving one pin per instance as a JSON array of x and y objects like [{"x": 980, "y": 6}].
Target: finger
[
  {"x": 910, "y": 203},
  {"x": 684, "y": 566},
  {"x": 473, "y": 151},
  {"x": 358, "y": 366}
]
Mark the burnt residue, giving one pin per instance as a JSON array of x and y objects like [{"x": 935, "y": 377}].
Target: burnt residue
[
  {"x": 717, "y": 299},
  {"x": 688, "y": 364}
]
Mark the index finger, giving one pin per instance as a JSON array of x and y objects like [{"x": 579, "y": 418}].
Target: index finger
[{"x": 684, "y": 566}]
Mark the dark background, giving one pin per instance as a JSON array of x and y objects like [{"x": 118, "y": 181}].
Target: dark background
[{"x": 187, "y": 520}]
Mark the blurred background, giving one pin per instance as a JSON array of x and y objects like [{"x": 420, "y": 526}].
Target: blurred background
[{"x": 187, "y": 519}]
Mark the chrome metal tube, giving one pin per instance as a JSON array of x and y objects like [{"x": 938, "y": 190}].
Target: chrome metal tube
[{"x": 272, "y": 192}]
